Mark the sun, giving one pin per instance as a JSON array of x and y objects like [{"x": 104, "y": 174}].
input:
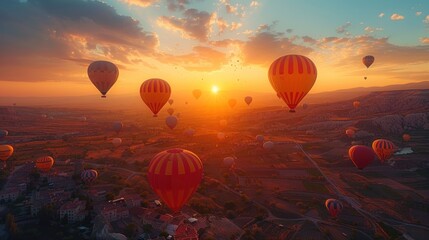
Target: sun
[{"x": 215, "y": 89}]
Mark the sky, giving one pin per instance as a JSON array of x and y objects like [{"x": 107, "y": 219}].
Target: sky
[{"x": 47, "y": 45}]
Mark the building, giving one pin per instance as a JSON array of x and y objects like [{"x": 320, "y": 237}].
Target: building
[
  {"x": 186, "y": 232},
  {"x": 9, "y": 194},
  {"x": 74, "y": 211},
  {"x": 112, "y": 212}
]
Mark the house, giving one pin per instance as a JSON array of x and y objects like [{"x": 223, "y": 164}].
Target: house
[
  {"x": 73, "y": 210},
  {"x": 186, "y": 232},
  {"x": 133, "y": 200},
  {"x": 9, "y": 194},
  {"x": 115, "y": 212}
]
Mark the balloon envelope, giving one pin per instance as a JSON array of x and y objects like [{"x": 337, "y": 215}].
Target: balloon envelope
[
  {"x": 170, "y": 111},
  {"x": 196, "y": 93},
  {"x": 103, "y": 75},
  {"x": 333, "y": 206},
  {"x": 361, "y": 156},
  {"x": 155, "y": 93},
  {"x": 406, "y": 137},
  {"x": 117, "y": 142},
  {"x": 228, "y": 161},
  {"x": 190, "y": 132},
  {"x": 5, "y": 152},
  {"x": 260, "y": 138},
  {"x": 175, "y": 175},
  {"x": 171, "y": 122},
  {"x": 350, "y": 132},
  {"x": 88, "y": 176},
  {"x": 356, "y": 104},
  {"x": 170, "y": 101},
  {"x": 45, "y": 163},
  {"x": 368, "y": 60},
  {"x": 268, "y": 145},
  {"x": 248, "y": 100},
  {"x": 232, "y": 102},
  {"x": 383, "y": 148},
  {"x": 292, "y": 77}
]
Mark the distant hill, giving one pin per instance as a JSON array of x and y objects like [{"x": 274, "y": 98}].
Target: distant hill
[{"x": 260, "y": 99}]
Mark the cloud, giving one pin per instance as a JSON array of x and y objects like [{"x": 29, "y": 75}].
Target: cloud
[
  {"x": 424, "y": 40},
  {"x": 418, "y": 13},
  {"x": 49, "y": 32},
  {"x": 309, "y": 40},
  {"x": 174, "y": 5},
  {"x": 343, "y": 28},
  {"x": 369, "y": 29},
  {"x": 194, "y": 25},
  {"x": 141, "y": 3},
  {"x": 200, "y": 59},
  {"x": 426, "y": 19},
  {"x": 396, "y": 17},
  {"x": 381, "y": 15},
  {"x": 265, "y": 46},
  {"x": 235, "y": 9},
  {"x": 254, "y": 4}
]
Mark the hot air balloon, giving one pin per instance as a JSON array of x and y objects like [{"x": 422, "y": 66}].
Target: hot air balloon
[
  {"x": 232, "y": 102},
  {"x": 248, "y": 100},
  {"x": 103, "y": 75},
  {"x": 220, "y": 136},
  {"x": 406, "y": 137},
  {"x": 368, "y": 60},
  {"x": 5, "y": 152},
  {"x": 364, "y": 78},
  {"x": 189, "y": 132},
  {"x": 3, "y": 134},
  {"x": 384, "y": 149},
  {"x": 170, "y": 101},
  {"x": 170, "y": 111},
  {"x": 171, "y": 122},
  {"x": 268, "y": 145},
  {"x": 356, "y": 104},
  {"x": 292, "y": 77},
  {"x": 117, "y": 127},
  {"x": 260, "y": 138},
  {"x": 350, "y": 132},
  {"x": 116, "y": 142},
  {"x": 196, "y": 93},
  {"x": 333, "y": 206},
  {"x": 155, "y": 93},
  {"x": 45, "y": 163},
  {"x": 223, "y": 123},
  {"x": 361, "y": 156},
  {"x": 174, "y": 175},
  {"x": 228, "y": 161},
  {"x": 88, "y": 176}
]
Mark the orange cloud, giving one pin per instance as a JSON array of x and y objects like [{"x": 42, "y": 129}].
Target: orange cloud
[
  {"x": 424, "y": 40},
  {"x": 396, "y": 17},
  {"x": 141, "y": 3}
]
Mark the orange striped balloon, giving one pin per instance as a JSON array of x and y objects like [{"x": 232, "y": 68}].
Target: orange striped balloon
[
  {"x": 175, "y": 175},
  {"x": 383, "y": 148},
  {"x": 45, "y": 163},
  {"x": 292, "y": 77},
  {"x": 155, "y": 93},
  {"x": 5, "y": 152}
]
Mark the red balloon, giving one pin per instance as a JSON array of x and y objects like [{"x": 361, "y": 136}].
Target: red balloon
[
  {"x": 361, "y": 156},
  {"x": 334, "y": 206},
  {"x": 174, "y": 175},
  {"x": 368, "y": 60},
  {"x": 384, "y": 149}
]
